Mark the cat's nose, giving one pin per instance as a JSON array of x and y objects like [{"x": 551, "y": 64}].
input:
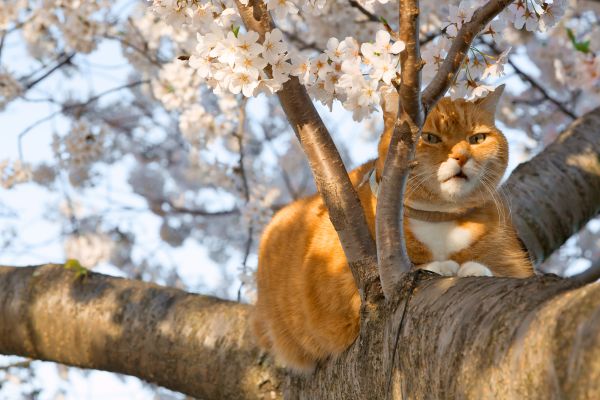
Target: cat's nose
[{"x": 461, "y": 158}]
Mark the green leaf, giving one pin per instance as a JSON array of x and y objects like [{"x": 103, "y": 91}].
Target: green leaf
[
  {"x": 74, "y": 265},
  {"x": 383, "y": 20},
  {"x": 583, "y": 47},
  {"x": 571, "y": 35},
  {"x": 235, "y": 30}
]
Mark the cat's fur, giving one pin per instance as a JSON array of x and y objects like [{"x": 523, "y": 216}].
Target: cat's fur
[{"x": 308, "y": 304}]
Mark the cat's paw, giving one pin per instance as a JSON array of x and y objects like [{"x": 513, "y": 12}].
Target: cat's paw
[
  {"x": 472, "y": 268},
  {"x": 444, "y": 268}
]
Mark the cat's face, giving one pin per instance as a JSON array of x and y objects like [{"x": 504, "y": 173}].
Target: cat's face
[{"x": 461, "y": 156}]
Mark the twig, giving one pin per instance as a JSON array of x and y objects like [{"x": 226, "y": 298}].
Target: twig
[
  {"x": 543, "y": 91},
  {"x": 145, "y": 54},
  {"x": 372, "y": 17},
  {"x": 70, "y": 107},
  {"x": 2, "y": 38},
  {"x": 304, "y": 44},
  {"x": 239, "y": 135},
  {"x": 59, "y": 65},
  {"x": 525, "y": 76},
  {"x": 200, "y": 213}
]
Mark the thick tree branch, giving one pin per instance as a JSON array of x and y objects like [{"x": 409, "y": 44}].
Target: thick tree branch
[
  {"x": 476, "y": 338},
  {"x": 541, "y": 340},
  {"x": 391, "y": 248},
  {"x": 328, "y": 169},
  {"x": 554, "y": 194},
  {"x": 193, "y": 344},
  {"x": 460, "y": 46}
]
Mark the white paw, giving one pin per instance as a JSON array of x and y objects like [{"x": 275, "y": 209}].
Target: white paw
[
  {"x": 444, "y": 268},
  {"x": 472, "y": 268}
]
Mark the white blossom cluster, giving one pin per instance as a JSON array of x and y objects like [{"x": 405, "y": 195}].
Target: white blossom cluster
[
  {"x": 176, "y": 86},
  {"x": 197, "y": 125},
  {"x": 10, "y": 88},
  {"x": 74, "y": 25},
  {"x": 44, "y": 174},
  {"x": 257, "y": 212},
  {"x": 13, "y": 173},
  {"x": 232, "y": 60},
  {"x": 352, "y": 73},
  {"x": 535, "y": 15},
  {"x": 79, "y": 150},
  {"x": 9, "y": 10},
  {"x": 573, "y": 80}
]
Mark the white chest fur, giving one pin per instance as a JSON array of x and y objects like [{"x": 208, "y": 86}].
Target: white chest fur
[{"x": 441, "y": 238}]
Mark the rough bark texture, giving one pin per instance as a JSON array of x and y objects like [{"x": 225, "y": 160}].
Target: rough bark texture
[
  {"x": 554, "y": 195},
  {"x": 472, "y": 338},
  {"x": 193, "y": 344}
]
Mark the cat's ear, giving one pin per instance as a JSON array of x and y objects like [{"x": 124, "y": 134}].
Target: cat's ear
[{"x": 490, "y": 102}]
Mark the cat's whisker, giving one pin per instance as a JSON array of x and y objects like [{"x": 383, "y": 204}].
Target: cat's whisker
[
  {"x": 488, "y": 184},
  {"x": 414, "y": 187}
]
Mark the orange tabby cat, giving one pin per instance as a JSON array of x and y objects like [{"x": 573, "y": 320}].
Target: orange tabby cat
[{"x": 308, "y": 304}]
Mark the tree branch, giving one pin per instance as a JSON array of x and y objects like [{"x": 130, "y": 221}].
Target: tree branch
[
  {"x": 460, "y": 46},
  {"x": 481, "y": 338},
  {"x": 590, "y": 275},
  {"x": 467, "y": 332},
  {"x": 193, "y": 344},
  {"x": 331, "y": 178},
  {"x": 554, "y": 194},
  {"x": 392, "y": 255}
]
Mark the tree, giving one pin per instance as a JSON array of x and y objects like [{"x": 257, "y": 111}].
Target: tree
[{"x": 413, "y": 327}]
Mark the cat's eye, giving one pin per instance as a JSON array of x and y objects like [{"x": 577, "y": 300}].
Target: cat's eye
[
  {"x": 477, "y": 139},
  {"x": 431, "y": 138}
]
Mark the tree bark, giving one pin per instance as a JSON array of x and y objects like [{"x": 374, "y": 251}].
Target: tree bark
[
  {"x": 556, "y": 193},
  {"x": 474, "y": 338},
  {"x": 458, "y": 338},
  {"x": 198, "y": 345}
]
